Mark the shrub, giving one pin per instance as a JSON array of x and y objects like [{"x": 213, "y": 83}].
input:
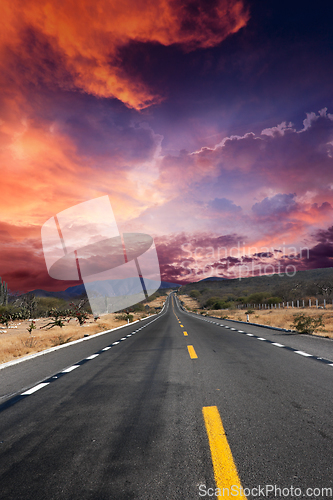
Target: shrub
[
  {"x": 45, "y": 304},
  {"x": 60, "y": 340},
  {"x": 306, "y": 324},
  {"x": 274, "y": 300},
  {"x": 216, "y": 303},
  {"x": 79, "y": 313},
  {"x": 194, "y": 294},
  {"x": 138, "y": 307},
  {"x": 125, "y": 317},
  {"x": 256, "y": 298},
  {"x": 29, "y": 342}
]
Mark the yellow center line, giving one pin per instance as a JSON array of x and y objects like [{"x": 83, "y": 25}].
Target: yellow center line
[
  {"x": 225, "y": 472},
  {"x": 185, "y": 333},
  {"x": 191, "y": 351}
]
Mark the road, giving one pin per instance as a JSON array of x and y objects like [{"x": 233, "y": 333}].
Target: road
[{"x": 136, "y": 420}]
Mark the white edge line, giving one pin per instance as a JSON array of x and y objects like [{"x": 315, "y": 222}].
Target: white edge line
[
  {"x": 273, "y": 343},
  {"x": 55, "y": 348},
  {"x": 34, "y": 389}
]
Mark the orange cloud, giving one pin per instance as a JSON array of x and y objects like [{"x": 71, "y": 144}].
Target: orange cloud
[
  {"x": 43, "y": 173},
  {"x": 77, "y": 42}
]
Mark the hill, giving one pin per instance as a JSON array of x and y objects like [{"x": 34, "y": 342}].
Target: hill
[
  {"x": 316, "y": 283},
  {"x": 78, "y": 291}
]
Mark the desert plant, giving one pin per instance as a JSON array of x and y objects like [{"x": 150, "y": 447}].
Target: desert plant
[
  {"x": 31, "y": 327},
  {"x": 3, "y": 293},
  {"x": 79, "y": 313},
  {"x": 58, "y": 318},
  {"x": 60, "y": 340},
  {"x": 29, "y": 342},
  {"x": 55, "y": 322},
  {"x": 306, "y": 324},
  {"x": 5, "y": 318}
]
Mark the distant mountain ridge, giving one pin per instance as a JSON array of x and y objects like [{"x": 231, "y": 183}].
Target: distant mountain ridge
[
  {"x": 307, "y": 283},
  {"x": 74, "y": 292},
  {"x": 213, "y": 278}
]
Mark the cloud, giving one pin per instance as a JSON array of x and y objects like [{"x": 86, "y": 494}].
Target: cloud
[
  {"x": 281, "y": 156},
  {"x": 23, "y": 265},
  {"x": 184, "y": 257},
  {"x": 224, "y": 205},
  {"x": 325, "y": 235},
  {"x": 278, "y": 205},
  {"x": 75, "y": 45}
]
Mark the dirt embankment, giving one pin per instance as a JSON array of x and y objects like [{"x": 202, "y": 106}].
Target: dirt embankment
[{"x": 280, "y": 318}]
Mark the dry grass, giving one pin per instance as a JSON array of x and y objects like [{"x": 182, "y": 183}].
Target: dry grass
[
  {"x": 16, "y": 341},
  {"x": 281, "y": 318}
]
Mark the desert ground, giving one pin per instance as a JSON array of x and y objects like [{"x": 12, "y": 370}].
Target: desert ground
[{"x": 16, "y": 341}]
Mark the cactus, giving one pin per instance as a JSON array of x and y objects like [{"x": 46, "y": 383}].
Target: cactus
[{"x": 3, "y": 293}]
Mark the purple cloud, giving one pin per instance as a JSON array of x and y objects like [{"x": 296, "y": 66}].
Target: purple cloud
[{"x": 277, "y": 205}]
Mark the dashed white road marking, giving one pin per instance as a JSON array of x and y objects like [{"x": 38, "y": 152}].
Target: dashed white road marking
[
  {"x": 240, "y": 331},
  {"x": 277, "y": 344},
  {"x": 115, "y": 343},
  {"x": 70, "y": 369},
  {"x": 302, "y": 353},
  {"x": 106, "y": 348},
  {"x": 92, "y": 356},
  {"x": 34, "y": 389},
  {"x": 260, "y": 338},
  {"x": 250, "y": 334}
]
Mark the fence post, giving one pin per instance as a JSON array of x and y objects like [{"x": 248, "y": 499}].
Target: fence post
[
  {"x": 324, "y": 303},
  {"x": 317, "y": 303},
  {"x": 309, "y": 302},
  {"x": 298, "y": 303}
]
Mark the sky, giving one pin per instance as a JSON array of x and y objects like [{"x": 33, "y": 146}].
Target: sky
[{"x": 208, "y": 124}]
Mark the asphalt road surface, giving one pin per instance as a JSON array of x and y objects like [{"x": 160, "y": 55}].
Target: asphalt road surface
[{"x": 170, "y": 408}]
